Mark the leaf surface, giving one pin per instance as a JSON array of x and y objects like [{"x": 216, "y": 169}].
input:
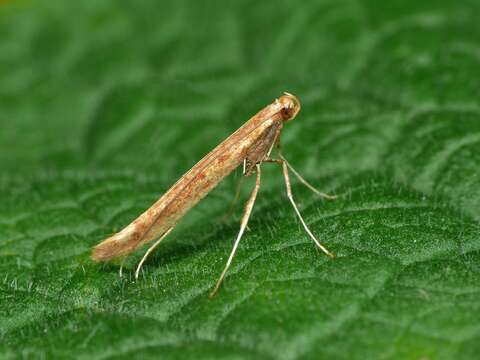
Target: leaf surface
[{"x": 105, "y": 104}]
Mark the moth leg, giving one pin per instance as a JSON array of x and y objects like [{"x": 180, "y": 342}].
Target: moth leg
[
  {"x": 243, "y": 225},
  {"x": 120, "y": 271},
  {"x": 150, "y": 249},
  {"x": 286, "y": 177},
  {"x": 278, "y": 145},
  {"x": 238, "y": 191},
  {"x": 299, "y": 177},
  {"x": 306, "y": 183},
  {"x": 234, "y": 201}
]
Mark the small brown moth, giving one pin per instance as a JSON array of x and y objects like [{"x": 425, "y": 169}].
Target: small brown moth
[{"x": 251, "y": 146}]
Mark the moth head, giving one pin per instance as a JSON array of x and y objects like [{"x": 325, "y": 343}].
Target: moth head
[{"x": 290, "y": 106}]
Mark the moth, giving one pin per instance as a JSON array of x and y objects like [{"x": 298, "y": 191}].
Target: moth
[{"x": 250, "y": 146}]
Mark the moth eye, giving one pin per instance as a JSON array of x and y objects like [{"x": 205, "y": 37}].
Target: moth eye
[
  {"x": 287, "y": 112},
  {"x": 291, "y": 106}
]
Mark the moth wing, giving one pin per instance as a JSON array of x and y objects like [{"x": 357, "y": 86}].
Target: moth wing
[{"x": 259, "y": 150}]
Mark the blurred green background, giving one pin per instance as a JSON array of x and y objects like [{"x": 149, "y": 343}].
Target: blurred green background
[{"x": 103, "y": 105}]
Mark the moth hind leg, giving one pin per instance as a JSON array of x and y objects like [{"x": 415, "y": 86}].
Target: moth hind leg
[
  {"x": 120, "y": 271},
  {"x": 150, "y": 249},
  {"x": 233, "y": 202},
  {"x": 238, "y": 192}
]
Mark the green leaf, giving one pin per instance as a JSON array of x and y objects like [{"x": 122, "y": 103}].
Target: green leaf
[{"x": 105, "y": 104}]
